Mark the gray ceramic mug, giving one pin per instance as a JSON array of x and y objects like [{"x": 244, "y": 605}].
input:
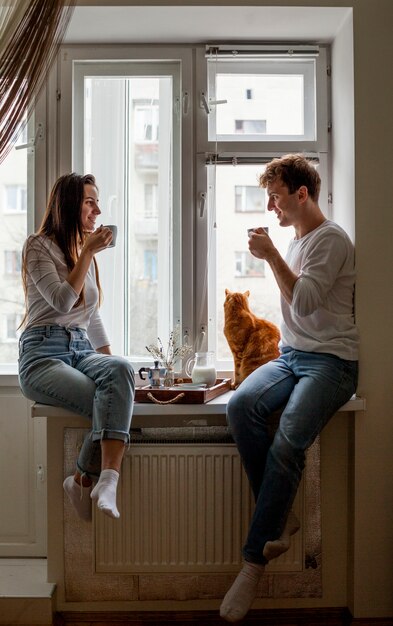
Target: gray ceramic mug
[{"x": 114, "y": 234}]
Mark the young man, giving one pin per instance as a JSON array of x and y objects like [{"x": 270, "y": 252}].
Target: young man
[{"x": 314, "y": 376}]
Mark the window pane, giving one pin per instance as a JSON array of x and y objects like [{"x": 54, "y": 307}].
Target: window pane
[
  {"x": 262, "y": 100},
  {"x": 275, "y": 109},
  {"x": 236, "y": 268},
  {"x": 13, "y": 232},
  {"x": 130, "y": 156}
]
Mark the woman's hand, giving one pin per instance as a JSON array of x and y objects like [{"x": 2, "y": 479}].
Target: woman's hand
[{"x": 97, "y": 240}]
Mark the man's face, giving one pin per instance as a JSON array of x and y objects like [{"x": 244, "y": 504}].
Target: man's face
[{"x": 285, "y": 205}]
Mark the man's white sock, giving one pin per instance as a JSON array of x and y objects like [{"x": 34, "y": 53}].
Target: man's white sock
[
  {"x": 242, "y": 594},
  {"x": 104, "y": 493}
]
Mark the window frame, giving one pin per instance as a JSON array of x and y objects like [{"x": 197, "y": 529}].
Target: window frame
[
  {"x": 251, "y": 151},
  {"x": 195, "y": 257},
  {"x": 182, "y": 219}
]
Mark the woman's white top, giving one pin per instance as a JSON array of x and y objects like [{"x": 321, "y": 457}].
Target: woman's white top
[
  {"x": 51, "y": 299},
  {"x": 321, "y": 316}
]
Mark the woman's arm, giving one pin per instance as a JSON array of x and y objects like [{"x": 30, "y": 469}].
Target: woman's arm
[{"x": 97, "y": 241}]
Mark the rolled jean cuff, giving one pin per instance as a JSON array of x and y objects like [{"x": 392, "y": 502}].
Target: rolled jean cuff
[
  {"x": 92, "y": 475},
  {"x": 121, "y": 435}
]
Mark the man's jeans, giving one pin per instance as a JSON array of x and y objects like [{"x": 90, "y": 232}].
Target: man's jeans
[
  {"x": 310, "y": 388},
  {"x": 58, "y": 366}
]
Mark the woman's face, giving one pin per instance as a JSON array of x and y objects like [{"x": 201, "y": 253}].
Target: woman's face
[{"x": 90, "y": 208}]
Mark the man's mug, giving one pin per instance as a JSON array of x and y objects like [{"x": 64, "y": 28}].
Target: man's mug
[{"x": 113, "y": 228}]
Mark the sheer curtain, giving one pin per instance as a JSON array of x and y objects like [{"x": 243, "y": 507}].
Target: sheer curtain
[{"x": 30, "y": 32}]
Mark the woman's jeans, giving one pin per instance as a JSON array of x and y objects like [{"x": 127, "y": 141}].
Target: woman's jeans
[
  {"x": 311, "y": 387},
  {"x": 59, "y": 366}
]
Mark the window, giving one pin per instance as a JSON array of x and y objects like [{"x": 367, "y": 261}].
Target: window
[
  {"x": 16, "y": 191},
  {"x": 178, "y": 167},
  {"x": 12, "y": 322},
  {"x": 248, "y": 266},
  {"x": 136, "y": 156},
  {"x": 250, "y": 199},
  {"x": 261, "y": 104},
  {"x": 151, "y": 201},
  {"x": 15, "y": 199},
  {"x": 12, "y": 262},
  {"x": 250, "y": 127}
]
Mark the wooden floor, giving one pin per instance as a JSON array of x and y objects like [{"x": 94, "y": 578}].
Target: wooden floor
[{"x": 278, "y": 617}]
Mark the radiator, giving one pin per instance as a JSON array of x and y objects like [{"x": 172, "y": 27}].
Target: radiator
[{"x": 184, "y": 507}]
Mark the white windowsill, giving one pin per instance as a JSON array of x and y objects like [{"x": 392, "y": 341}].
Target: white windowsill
[{"x": 151, "y": 415}]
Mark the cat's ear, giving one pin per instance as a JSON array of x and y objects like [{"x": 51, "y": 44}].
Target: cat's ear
[
  {"x": 247, "y": 293},
  {"x": 227, "y": 292}
]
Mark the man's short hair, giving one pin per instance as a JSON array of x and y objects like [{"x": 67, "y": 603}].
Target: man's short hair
[{"x": 294, "y": 170}]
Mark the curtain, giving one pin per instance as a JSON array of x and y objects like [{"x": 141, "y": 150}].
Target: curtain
[{"x": 30, "y": 33}]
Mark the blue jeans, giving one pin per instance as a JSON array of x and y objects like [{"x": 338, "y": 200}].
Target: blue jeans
[
  {"x": 310, "y": 388},
  {"x": 58, "y": 366}
]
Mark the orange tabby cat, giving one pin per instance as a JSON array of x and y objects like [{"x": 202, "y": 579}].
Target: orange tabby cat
[{"x": 252, "y": 340}]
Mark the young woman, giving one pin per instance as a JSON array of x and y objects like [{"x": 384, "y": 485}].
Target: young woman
[{"x": 64, "y": 355}]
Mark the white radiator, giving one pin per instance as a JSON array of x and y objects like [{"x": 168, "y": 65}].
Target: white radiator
[{"x": 184, "y": 507}]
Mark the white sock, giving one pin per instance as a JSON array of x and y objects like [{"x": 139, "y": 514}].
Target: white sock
[
  {"x": 79, "y": 497},
  {"x": 242, "y": 594},
  {"x": 104, "y": 493},
  {"x": 273, "y": 549}
]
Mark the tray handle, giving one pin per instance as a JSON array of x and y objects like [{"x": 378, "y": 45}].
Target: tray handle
[{"x": 175, "y": 399}]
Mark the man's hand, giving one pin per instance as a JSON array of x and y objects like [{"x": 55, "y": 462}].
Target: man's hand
[{"x": 260, "y": 244}]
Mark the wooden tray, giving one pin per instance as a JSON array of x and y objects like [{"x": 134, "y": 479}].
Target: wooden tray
[{"x": 176, "y": 394}]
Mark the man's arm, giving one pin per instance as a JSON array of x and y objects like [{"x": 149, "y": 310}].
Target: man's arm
[
  {"x": 284, "y": 276},
  {"x": 261, "y": 246}
]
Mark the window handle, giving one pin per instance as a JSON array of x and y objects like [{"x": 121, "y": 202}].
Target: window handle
[
  {"x": 204, "y": 104},
  {"x": 202, "y": 203},
  {"x": 186, "y": 103}
]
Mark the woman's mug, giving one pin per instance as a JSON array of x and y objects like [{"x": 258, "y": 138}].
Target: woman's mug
[{"x": 201, "y": 368}]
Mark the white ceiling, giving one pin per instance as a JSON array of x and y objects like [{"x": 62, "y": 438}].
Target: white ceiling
[{"x": 203, "y": 24}]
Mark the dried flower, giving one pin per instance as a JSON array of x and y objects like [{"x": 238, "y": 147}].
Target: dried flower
[{"x": 174, "y": 352}]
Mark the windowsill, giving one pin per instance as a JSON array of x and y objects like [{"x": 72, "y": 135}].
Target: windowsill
[{"x": 147, "y": 415}]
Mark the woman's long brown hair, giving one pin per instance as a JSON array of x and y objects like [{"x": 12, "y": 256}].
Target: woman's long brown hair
[{"x": 62, "y": 222}]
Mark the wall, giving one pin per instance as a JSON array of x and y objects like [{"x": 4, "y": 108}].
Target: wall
[{"x": 371, "y": 540}]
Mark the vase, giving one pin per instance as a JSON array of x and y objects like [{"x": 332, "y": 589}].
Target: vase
[{"x": 169, "y": 379}]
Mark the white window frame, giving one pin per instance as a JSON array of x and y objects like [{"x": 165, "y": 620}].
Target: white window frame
[
  {"x": 114, "y": 57},
  {"x": 247, "y": 150},
  {"x": 196, "y": 256}
]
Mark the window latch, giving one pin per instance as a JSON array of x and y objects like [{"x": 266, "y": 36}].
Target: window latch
[
  {"x": 32, "y": 142},
  {"x": 202, "y": 203},
  {"x": 204, "y": 104}
]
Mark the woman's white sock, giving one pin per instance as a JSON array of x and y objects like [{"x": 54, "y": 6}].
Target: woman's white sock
[
  {"x": 104, "y": 493},
  {"x": 243, "y": 592},
  {"x": 79, "y": 497}
]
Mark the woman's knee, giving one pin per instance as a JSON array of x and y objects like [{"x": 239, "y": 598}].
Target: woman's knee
[{"x": 123, "y": 368}]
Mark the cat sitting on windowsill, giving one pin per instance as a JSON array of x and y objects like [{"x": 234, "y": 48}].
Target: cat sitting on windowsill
[{"x": 253, "y": 341}]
